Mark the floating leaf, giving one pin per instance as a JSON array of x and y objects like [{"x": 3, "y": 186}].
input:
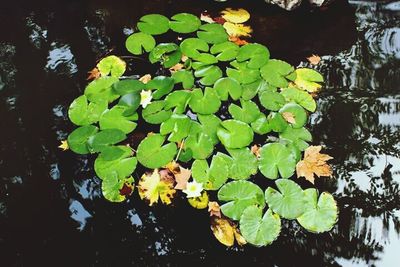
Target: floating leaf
[
  {"x": 207, "y": 103},
  {"x": 93, "y": 74},
  {"x": 101, "y": 90},
  {"x": 276, "y": 157},
  {"x": 131, "y": 102},
  {"x": 277, "y": 72},
  {"x": 314, "y": 59},
  {"x": 259, "y": 230},
  {"x": 235, "y": 134},
  {"x": 235, "y": 15},
  {"x": 209, "y": 126},
  {"x": 112, "y": 186},
  {"x": 155, "y": 112},
  {"x": 145, "y": 78},
  {"x": 77, "y": 140},
  {"x": 200, "y": 144},
  {"x": 105, "y": 138},
  {"x": 250, "y": 90},
  {"x": 261, "y": 125},
  {"x": 123, "y": 166},
  {"x": 200, "y": 202},
  {"x": 214, "y": 209},
  {"x": 140, "y": 42},
  {"x": 242, "y": 73},
  {"x": 153, "y": 24},
  {"x": 223, "y": 231},
  {"x": 299, "y": 137},
  {"x": 299, "y": 114},
  {"x": 178, "y": 126},
  {"x": 191, "y": 47},
  {"x": 240, "y": 194},
  {"x": 243, "y": 163},
  {"x": 163, "y": 85},
  {"x": 64, "y": 145},
  {"x": 206, "y": 18},
  {"x": 237, "y": 30},
  {"x": 112, "y": 65},
  {"x": 301, "y": 97},
  {"x": 185, "y": 77},
  {"x": 212, "y": 177},
  {"x": 182, "y": 177},
  {"x": 228, "y": 86},
  {"x": 276, "y": 122},
  {"x": 248, "y": 112},
  {"x": 184, "y": 23},
  {"x": 271, "y": 100},
  {"x": 237, "y": 40},
  {"x": 81, "y": 112},
  {"x": 212, "y": 33},
  {"x": 288, "y": 202},
  {"x": 152, "y": 154},
  {"x": 114, "y": 119},
  {"x": 178, "y": 100},
  {"x": 153, "y": 187},
  {"x": 314, "y": 162},
  {"x": 320, "y": 214},
  {"x": 308, "y": 79},
  {"x": 209, "y": 74},
  {"x": 256, "y": 54},
  {"x": 168, "y": 54},
  {"x": 226, "y": 51},
  {"x": 128, "y": 86}
]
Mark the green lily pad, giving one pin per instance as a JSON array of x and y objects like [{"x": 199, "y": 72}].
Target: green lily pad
[
  {"x": 81, "y": 112},
  {"x": 200, "y": 144},
  {"x": 226, "y": 87},
  {"x": 277, "y": 72},
  {"x": 212, "y": 33},
  {"x": 178, "y": 100},
  {"x": 178, "y": 126},
  {"x": 162, "y": 84},
  {"x": 242, "y": 73},
  {"x": 105, "y": 138},
  {"x": 208, "y": 74},
  {"x": 259, "y": 230},
  {"x": 299, "y": 137},
  {"x": 301, "y": 97},
  {"x": 209, "y": 126},
  {"x": 308, "y": 79},
  {"x": 261, "y": 125},
  {"x": 123, "y": 166},
  {"x": 153, "y": 24},
  {"x": 128, "y": 86},
  {"x": 243, "y": 165},
  {"x": 239, "y": 195},
  {"x": 100, "y": 89},
  {"x": 207, "y": 103},
  {"x": 168, "y": 54},
  {"x": 271, "y": 100},
  {"x": 140, "y": 42},
  {"x": 184, "y": 23},
  {"x": 288, "y": 202},
  {"x": 155, "y": 112},
  {"x": 320, "y": 214},
  {"x": 276, "y": 122},
  {"x": 191, "y": 47},
  {"x": 152, "y": 154},
  {"x": 277, "y": 158},
  {"x": 248, "y": 113},
  {"x": 250, "y": 90},
  {"x": 185, "y": 77},
  {"x": 77, "y": 140},
  {"x": 112, "y": 185},
  {"x": 226, "y": 51},
  {"x": 112, "y": 65},
  {"x": 212, "y": 177},
  {"x": 204, "y": 60},
  {"x": 111, "y": 152},
  {"x": 235, "y": 134},
  {"x": 256, "y": 54},
  {"x": 131, "y": 102},
  {"x": 299, "y": 114},
  {"x": 114, "y": 119}
]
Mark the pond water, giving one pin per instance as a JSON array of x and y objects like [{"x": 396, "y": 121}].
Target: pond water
[{"x": 52, "y": 212}]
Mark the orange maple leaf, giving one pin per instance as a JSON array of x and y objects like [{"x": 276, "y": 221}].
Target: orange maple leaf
[
  {"x": 314, "y": 163},
  {"x": 314, "y": 59},
  {"x": 93, "y": 74},
  {"x": 182, "y": 178}
]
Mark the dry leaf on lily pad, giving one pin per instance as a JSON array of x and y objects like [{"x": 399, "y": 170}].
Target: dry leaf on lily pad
[
  {"x": 152, "y": 187},
  {"x": 237, "y": 30},
  {"x": 314, "y": 163},
  {"x": 93, "y": 74},
  {"x": 64, "y": 145},
  {"x": 177, "y": 67},
  {"x": 255, "y": 149},
  {"x": 182, "y": 178},
  {"x": 214, "y": 209},
  {"x": 289, "y": 117},
  {"x": 236, "y": 15},
  {"x": 226, "y": 232},
  {"x": 145, "y": 78},
  {"x": 314, "y": 59}
]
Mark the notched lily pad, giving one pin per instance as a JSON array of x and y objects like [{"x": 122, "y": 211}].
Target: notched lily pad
[
  {"x": 155, "y": 112},
  {"x": 256, "y": 54},
  {"x": 277, "y": 72},
  {"x": 235, "y": 134},
  {"x": 184, "y": 23},
  {"x": 207, "y": 103},
  {"x": 140, "y": 42},
  {"x": 152, "y": 153},
  {"x": 212, "y": 33},
  {"x": 153, "y": 24},
  {"x": 277, "y": 159},
  {"x": 77, "y": 140}
]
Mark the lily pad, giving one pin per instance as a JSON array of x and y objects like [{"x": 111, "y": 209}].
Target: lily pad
[
  {"x": 208, "y": 74},
  {"x": 261, "y": 125},
  {"x": 226, "y": 87},
  {"x": 178, "y": 100},
  {"x": 277, "y": 72},
  {"x": 299, "y": 137},
  {"x": 256, "y": 54},
  {"x": 185, "y": 77},
  {"x": 297, "y": 112},
  {"x": 152, "y": 153},
  {"x": 271, "y": 100},
  {"x": 239, "y": 195},
  {"x": 301, "y": 97},
  {"x": 168, "y": 54},
  {"x": 207, "y": 103},
  {"x": 320, "y": 214},
  {"x": 242, "y": 73},
  {"x": 112, "y": 185},
  {"x": 200, "y": 144},
  {"x": 191, "y": 47},
  {"x": 308, "y": 79},
  {"x": 77, "y": 140},
  {"x": 213, "y": 176},
  {"x": 104, "y": 139},
  {"x": 178, "y": 126},
  {"x": 131, "y": 102},
  {"x": 209, "y": 124},
  {"x": 248, "y": 112},
  {"x": 259, "y": 230},
  {"x": 288, "y": 202},
  {"x": 243, "y": 165},
  {"x": 140, "y": 42},
  {"x": 277, "y": 122},
  {"x": 226, "y": 51},
  {"x": 81, "y": 112},
  {"x": 235, "y": 134},
  {"x": 162, "y": 84},
  {"x": 128, "y": 86},
  {"x": 276, "y": 158},
  {"x": 155, "y": 112},
  {"x": 114, "y": 119},
  {"x": 212, "y": 33},
  {"x": 184, "y": 23},
  {"x": 111, "y": 65},
  {"x": 100, "y": 89},
  {"x": 153, "y": 24},
  {"x": 250, "y": 90}
]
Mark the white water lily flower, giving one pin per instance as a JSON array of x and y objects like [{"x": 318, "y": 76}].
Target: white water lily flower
[
  {"x": 193, "y": 189},
  {"x": 145, "y": 98}
]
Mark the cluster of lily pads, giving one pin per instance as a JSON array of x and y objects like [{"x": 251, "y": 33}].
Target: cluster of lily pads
[{"x": 269, "y": 100}]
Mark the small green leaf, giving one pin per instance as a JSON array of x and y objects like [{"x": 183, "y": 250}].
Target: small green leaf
[
  {"x": 191, "y": 47},
  {"x": 276, "y": 157},
  {"x": 261, "y": 125},
  {"x": 228, "y": 86},
  {"x": 242, "y": 73},
  {"x": 256, "y": 54},
  {"x": 77, "y": 140},
  {"x": 243, "y": 165},
  {"x": 162, "y": 84},
  {"x": 209, "y": 125},
  {"x": 207, "y": 103},
  {"x": 114, "y": 119},
  {"x": 240, "y": 194},
  {"x": 184, "y": 23},
  {"x": 185, "y": 77},
  {"x": 235, "y": 134},
  {"x": 248, "y": 113},
  {"x": 178, "y": 126},
  {"x": 209, "y": 74},
  {"x": 212, "y": 33},
  {"x": 112, "y": 65},
  {"x": 178, "y": 100},
  {"x": 105, "y": 138},
  {"x": 276, "y": 72},
  {"x": 299, "y": 114},
  {"x": 140, "y": 42},
  {"x": 128, "y": 86},
  {"x": 200, "y": 144},
  {"x": 276, "y": 122},
  {"x": 131, "y": 102},
  {"x": 212, "y": 177},
  {"x": 250, "y": 90},
  {"x": 259, "y": 231},
  {"x": 299, "y": 137},
  {"x": 101, "y": 89},
  {"x": 153, "y": 24},
  {"x": 152, "y": 154},
  {"x": 123, "y": 166},
  {"x": 155, "y": 113},
  {"x": 168, "y": 54},
  {"x": 81, "y": 112},
  {"x": 271, "y": 100},
  {"x": 301, "y": 97},
  {"x": 226, "y": 51},
  {"x": 288, "y": 202}
]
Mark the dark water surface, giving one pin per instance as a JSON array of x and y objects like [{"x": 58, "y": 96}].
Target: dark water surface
[{"x": 52, "y": 212}]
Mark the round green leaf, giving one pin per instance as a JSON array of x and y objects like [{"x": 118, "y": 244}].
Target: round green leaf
[
  {"x": 250, "y": 90},
  {"x": 77, "y": 140},
  {"x": 320, "y": 214},
  {"x": 276, "y": 122},
  {"x": 239, "y": 195},
  {"x": 299, "y": 114},
  {"x": 276, "y": 157},
  {"x": 261, "y": 125},
  {"x": 184, "y": 23},
  {"x": 248, "y": 113},
  {"x": 162, "y": 84},
  {"x": 114, "y": 119},
  {"x": 178, "y": 100},
  {"x": 212, "y": 177},
  {"x": 128, "y": 86},
  {"x": 243, "y": 165},
  {"x": 200, "y": 144},
  {"x": 301, "y": 97},
  {"x": 288, "y": 202},
  {"x": 209, "y": 74},
  {"x": 123, "y": 166},
  {"x": 112, "y": 65},
  {"x": 131, "y": 102},
  {"x": 308, "y": 79},
  {"x": 276, "y": 72},
  {"x": 207, "y": 103},
  {"x": 191, "y": 47},
  {"x": 256, "y": 54},
  {"x": 152, "y": 154},
  {"x": 81, "y": 112},
  {"x": 228, "y": 86},
  {"x": 242, "y": 73},
  {"x": 226, "y": 51},
  {"x": 101, "y": 89},
  {"x": 235, "y": 134},
  {"x": 185, "y": 77},
  {"x": 178, "y": 126},
  {"x": 271, "y": 100},
  {"x": 105, "y": 138},
  {"x": 139, "y": 42},
  {"x": 259, "y": 231},
  {"x": 153, "y": 24},
  {"x": 168, "y": 54},
  {"x": 212, "y": 33},
  {"x": 299, "y": 137},
  {"x": 155, "y": 113},
  {"x": 209, "y": 126}
]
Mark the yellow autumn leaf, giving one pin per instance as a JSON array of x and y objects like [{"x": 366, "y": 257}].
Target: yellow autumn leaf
[
  {"x": 214, "y": 209},
  {"x": 64, "y": 145},
  {"x": 152, "y": 188},
  {"x": 235, "y": 15},
  {"x": 223, "y": 231},
  {"x": 314, "y": 162},
  {"x": 145, "y": 78},
  {"x": 237, "y": 30},
  {"x": 239, "y": 238},
  {"x": 200, "y": 202}
]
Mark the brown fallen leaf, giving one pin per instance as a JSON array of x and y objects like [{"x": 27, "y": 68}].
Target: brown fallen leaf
[
  {"x": 237, "y": 40},
  {"x": 177, "y": 67},
  {"x": 223, "y": 231},
  {"x": 93, "y": 74},
  {"x": 289, "y": 117},
  {"x": 220, "y": 20},
  {"x": 214, "y": 209},
  {"x": 173, "y": 167},
  {"x": 64, "y": 145},
  {"x": 314, "y": 163},
  {"x": 255, "y": 149},
  {"x": 182, "y": 178},
  {"x": 239, "y": 238},
  {"x": 206, "y": 18},
  {"x": 314, "y": 59},
  {"x": 145, "y": 78}
]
